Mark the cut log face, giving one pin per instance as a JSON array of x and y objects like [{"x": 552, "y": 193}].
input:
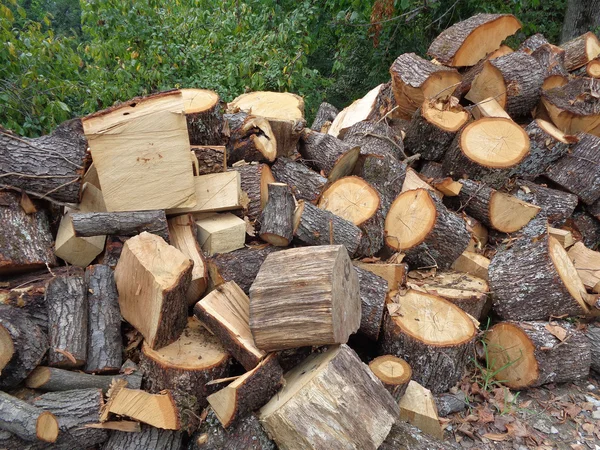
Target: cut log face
[
  {"x": 329, "y": 154},
  {"x": 472, "y": 263},
  {"x": 203, "y": 116},
  {"x": 155, "y": 171},
  {"x": 593, "y": 68},
  {"x": 152, "y": 279},
  {"x": 26, "y": 421},
  {"x": 587, "y": 263},
  {"x": 220, "y": 233},
  {"x": 320, "y": 278},
  {"x": 466, "y": 42},
  {"x": 394, "y": 373},
  {"x": 351, "y": 198},
  {"x": 255, "y": 179},
  {"x": 489, "y": 107},
  {"x": 358, "y": 111},
  {"x": 528, "y": 354},
  {"x": 580, "y": 50},
  {"x": 418, "y": 408},
  {"x": 414, "y": 181}
]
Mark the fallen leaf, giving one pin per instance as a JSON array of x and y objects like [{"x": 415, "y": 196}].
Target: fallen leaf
[
  {"x": 27, "y": 204},
  {"x": 485, "y": 415},
  {"x": 394, "y": 309},
  {"x": 557, "y": 331},
  {"x": 496, "y": 436},
  {"x": 572, "y": 410},
  {"x": 588, "y": 428},
  {"x": 517, "y": 429}
]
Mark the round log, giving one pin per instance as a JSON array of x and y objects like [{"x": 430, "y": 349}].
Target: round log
[
  {"x": 277, "y": 218},
  {"x": 556, "y": 205},
  {"x": 593, "y": 68},
  {"x": 580, "y": 50},
  {"x": 306, "y": 184},
  {"x": 325, "y": 115},
  {"x": 203, "y": 115},
  {"x": 27, "y": 421},
  {"x": 254, "y": 181},
  {"x": 374, "y": 138},
  {"x": 593, "y": 334},
  {"x": 328, "y": 154},
  {"x": 394, "y": 373},
  {"x": 149, "y": 438},
  {"x": 123, "y": 223}
]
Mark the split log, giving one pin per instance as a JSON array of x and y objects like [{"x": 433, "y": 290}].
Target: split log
[
  {"x": 556, "y": 205},
  {"x": 254, "y": 179},
  {"x": 393, "y": 273},
  {"x": 152, "y": 279},
  {"x": 488, "y": 107},
  {"x": 587, "y": 263},
  {"x": 26, "y": 421},
  {"x": 315, "y": 226},
  {"x": 247, "y": 393},
  {"x": 66, "y": 297},
  {"x": 552, "y": 59},
  {"x": 565, "y": 237},
  {"x": 437, "y": 350},
  {"x": 277, "y": 218},
  {"x": 487, "y": 150},
  {"x": 250, "y": 138},
  {"x": 472, "y": 263},
  {"x": 362, "y": 109},
  {"x": 155, "y": 171},
  {"x": 220, "y": 232},
  {"x": 466, "y": 42},
  {"x": 578, "y": 171},
  {"x": 415, "y": 80},
  {"x": 26, "y": 238},
  {"x": 320, "y": 278},
  {"x": 284, "y": 112},
  {"x": 414, "y": 181},
  {"x": 209, "y": 159},
  {"x": 324, "y": 118},
  {"x": 407, "y": 436},
  {"x": 548, "y": 282},
  {"x": 105, "y": 345},
  {"x": 593, "y": 334},
  {"x": 22, "y": 346},
  {"x": 226, "y": 313},
  {"x": 128, "y": 223},
  {"x": 149, "y": 438},
  {"x": 419, "y": 225},
  {"x": 479, "y": 234},
  {"x": 532, "y": 43},
  {"x": 373, "y": 292},
  {"x": 448, "y": 403},
  {"x": 418, "y": 408},
  {"x": 306, "y": 184},
  {"x": 203, "y": 116},
  {"x": 183, "y": 232},
  {"x": 433, "y": 128},
  {"x": 50, "y": 166},
  {"x": 579, "y": 51},
  {"x": 469, "y": 75},
  {"x": 498, "y": 210},
  {"x": 333, "y": 157},
  {"x": 309, "y": 410},
  {"x": 504, "y": 79},
  {"x": 393, "y": 372},
  {"x": 530, "y": 354}
]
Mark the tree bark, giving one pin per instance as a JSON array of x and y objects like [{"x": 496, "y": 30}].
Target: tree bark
[
  {"x": 406, "y": 436},
  {"x": 276, "y": 220},
  {"x": 325, "y": 113},
  {"x": 26, "y": 421},
  {"x": 581, "y": 17},
  {"x": 150, "y": 438},
  {"x": 556, "y": 205},
  {"x": 204, "y": 116},
  {"x": 532, "y": 43},
  {"x": 250, "y": 139},
  {"x": 210, "y": 158},
  {"x": 127, "y": 223},
  {"x": 328, "y": 154},
  {"x": 593, "y": 334},
  {"x": 552, "y": 59},
  {"x": 306, "y": 184},
  {"x": 254, "y": 181},
  {"x": 373, "y": 293}
]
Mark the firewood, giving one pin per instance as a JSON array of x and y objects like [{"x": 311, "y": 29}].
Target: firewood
[
  {"x": 248, "y": 393},
  {"x": 152, "y": 279},
  {"x": 498, "y": 210},
  {"x": 128, "y": 223},
  {"x": 393, "y": 273},
  {"x": 405, "y": 435},
  {"x": 183, "y": 232},
  {"x": 284, "y": 112},
  {"x": 127, "y": 426},
  {"x": 447, "y": 186},
  {"x": 373, "y": 292},
  {"x": 320, "y": 278},
  {"x": 555, "y": 205},
  {"x": 479, "y": 234},
  {"x": 587, "y": 226},
  {"x": 22, "y": 346},
  {"x": 203, "y": 116},
  {"x": 593, "y": 68},
  {"x": 105, "y": 346},
  {"x": 362, "y": 109},
  {"x": 437, "y": 350},
  {"x": 587, "y": 263},
  {"x": 308, "y": 410},
  {"x": 66, "y": 297},
  {"x": 376, "y": 138},
  {"x": 552, "y": 59},
  {"x": 215, "y": 192},
  {"x": 149, "y": 438},
  {"x": 530, "y": 354},
  {"x": 548, "y": 282},
  {"x": 306, "y": 184},
  {"x": 226, "y": 313},
  {"x": 112, "y": 251},
  {"x": 80, "y": 251},
  {"x": 415, "y": 80},
  {"x": 240, "y": 266},
  {"x": 472, "y": 263},
  {"x": 325, "y": 115},
  {"x": 220, "y": 232},
  {"x": 575, "y": 173},
  {"x": 433, "y": 128},
  {"x": 254, "y": 180},
  {"x": 593, "y": 334},
  {"x": 504, "y": 79},
  {"x": 419, "y": 225},
  {"x": 532, "y": 43},
  {"x": 26, "y": 240},
  {"x": 417, "y": 407},
  {"x": 594, "y": 209},
  {"x": 250, "y": 138},
  {"x": 489, "y": 107},
  {"x": 565, "y": 237},
  {"x": 466, "y": 42},
  {"x": 393, "y": 372},
  {"x": 50, "y": 166},
  {"x": 277, "y": 218},
  {"x": 26, "y": 421},
  {"x": 414, "y": 181},
  {"x": 333, "y": 157},
  {"x": 466, "y": 291},
  {"x": 487, "y": 150},
  {"x": 155, "y": 171},
  {"x": 470, "y": 74},
  {"x": 579, "y": 51},
  {"x": 210, "y": 158},
  {"x": 315, "y": 226}
]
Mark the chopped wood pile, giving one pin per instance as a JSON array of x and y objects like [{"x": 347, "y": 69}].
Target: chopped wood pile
[{"x": 177, "y": 271}]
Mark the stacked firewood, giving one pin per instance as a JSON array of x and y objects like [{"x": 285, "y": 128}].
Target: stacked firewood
[{"x": 179, "y": 271}]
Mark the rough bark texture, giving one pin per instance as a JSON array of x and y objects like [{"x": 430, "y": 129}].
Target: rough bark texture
[
  {"x": 373, "y": 292},
  {"x": 150, "y": 438},
  {"x": 539, "y": 292},
  {"x": 19, "y": 417},
  {"x": 26, "y": 240},
  {"x": 328, "y": 154},
  {"x": 532, "y": 43},
  {"x": 112, "y": 251},
  {"x": 49, "y": 166},
  {"x": 593, "y": 334},
  {"x": 450, "y": 403},
  {"x": 426, "y": 138},
  {"x": 30, "y": 344},
  {"x": 66, "y": 297},
  {"x": 594, "y": 210},
  {"x": 432, "y": 169},
  {"x": 579, "y": 171},
  {"x": 551, "y": 59},
  {"x": 241, "y": 144},
  {"x": 211, "y": 159},
  {"x": 588, "y": 227},
  {"x": 277, "y": 218},
  {"x": 405, "y": 436},
  {"x": 306, "y": 184},
  {"x": 556, "y": 205},
  {"x": 475, "y": 198},
  {"x": 372, "y": 235},
  {"x": 325, "y": 113},
  {"x": 374, "y": 138},
  {"x": 581, "y": 16},
  {"x": 105, "y": 345},
  {"x": 127, "y": 223},
  {"x": 251, "y": 176},
  {"x": 205, "y": 127}
]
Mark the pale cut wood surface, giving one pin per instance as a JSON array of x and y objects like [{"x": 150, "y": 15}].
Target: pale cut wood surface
[
  {"x": 215, "y": 192},
  {"x": 220, "y": 233}
]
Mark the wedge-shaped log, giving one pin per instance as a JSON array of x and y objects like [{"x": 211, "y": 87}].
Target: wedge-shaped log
[
  {"x": 254, "y": 179},
  {"x": 552, "y": 59},
  {"x": 128, "y": 223},
  {"x": 220, "y": 232},
  {"x": 472, "y": 263},
  {"x": 580, "y": 50},
  {"x": 152, "y": 280},
  {"x": 203, "y": 115},
  {"x": 328, "y": 154},
  {"x": 308, "y": 412},
  {"x": 277, "y": 219},
  {"x": 304, "y": 296},
  {"x": 250, "y": 138},
  {"x": 26, "y": 421},
  {"x": 418, "y": 408},
  {"x": 362, "y": 109},
  {"x": 587, "y": 263},
  {"x": 306, "y": 184},
  {"x": 394, "y": 373}
]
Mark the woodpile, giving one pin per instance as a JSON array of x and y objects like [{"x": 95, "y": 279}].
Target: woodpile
[{"x": 178, "y": 271}]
